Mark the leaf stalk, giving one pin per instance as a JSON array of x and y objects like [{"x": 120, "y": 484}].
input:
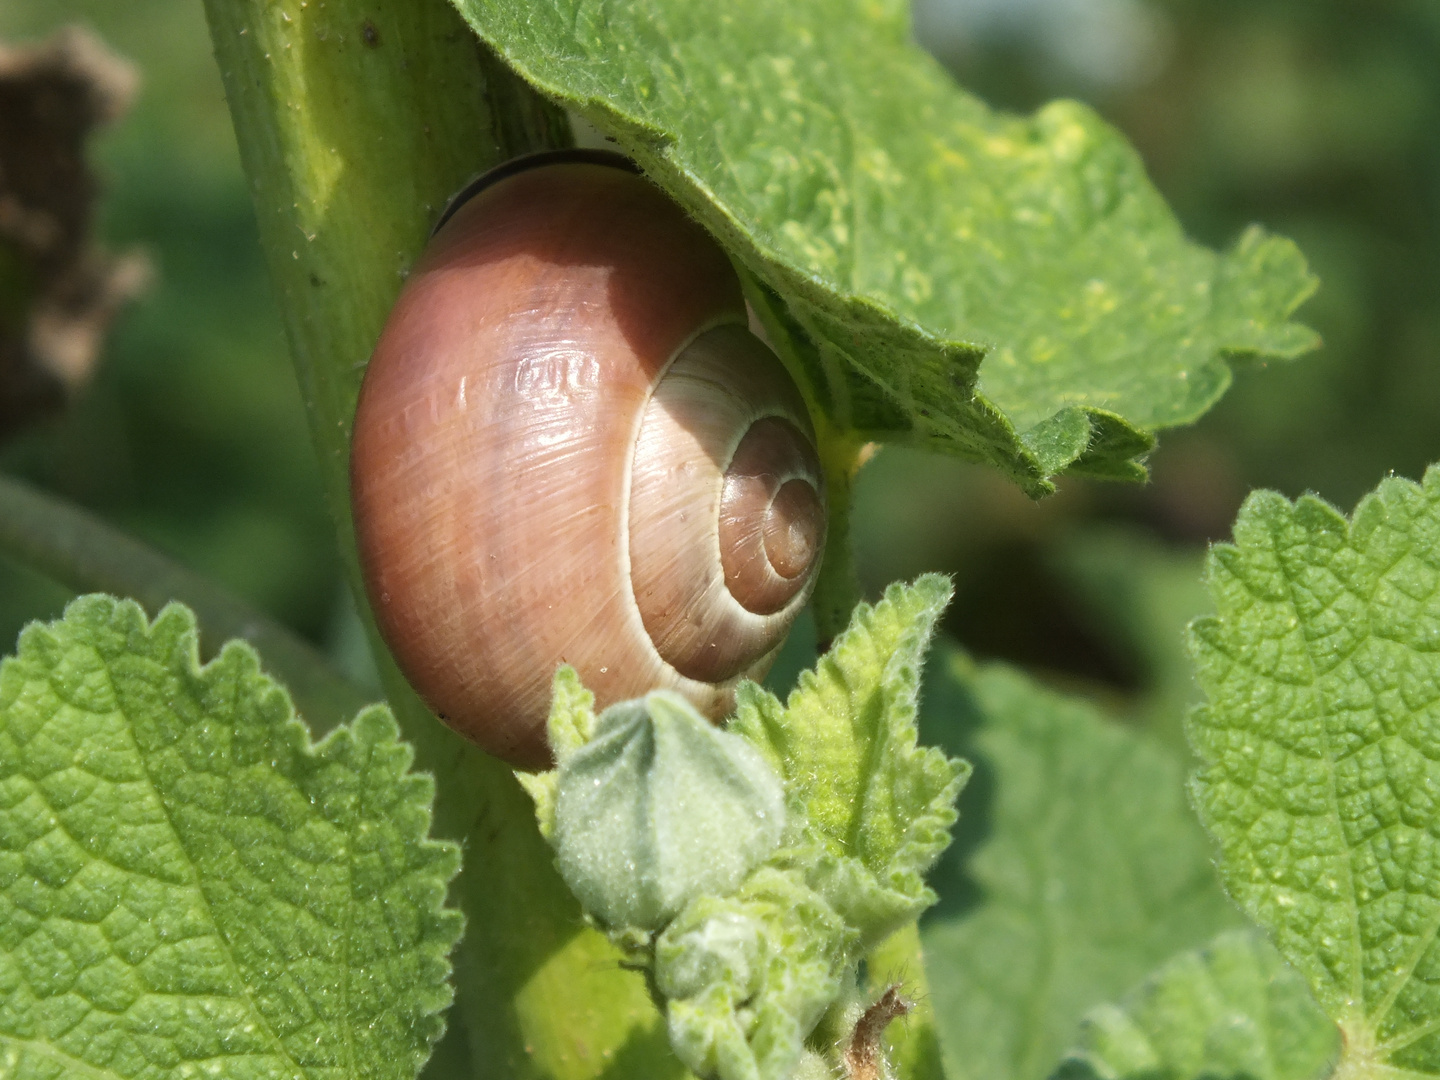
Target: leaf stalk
[
  {"x": 842, "y": 454},
  {"x": 81, "y": 552}
]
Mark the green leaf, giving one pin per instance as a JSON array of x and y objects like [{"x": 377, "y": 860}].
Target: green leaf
[
  {"x": 1232, "y": 1010},
  {"x": 85, "y": 553},
  {"x": 879, "y": 807},
  {"x": 571, "y": 723},
  {"x": 1077, "y": 870},
  {"x": 188, "y": 886},
  {"x": 570, "y": 726},
  {"x": 896, "y": 232},
  {"x": 1321, "y": 751}
]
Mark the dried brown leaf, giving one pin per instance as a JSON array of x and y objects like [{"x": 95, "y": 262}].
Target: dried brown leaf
[{"x": 59, "y": 291}]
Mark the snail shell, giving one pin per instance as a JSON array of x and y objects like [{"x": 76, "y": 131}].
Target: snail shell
[{"x": 569, "y": 448}]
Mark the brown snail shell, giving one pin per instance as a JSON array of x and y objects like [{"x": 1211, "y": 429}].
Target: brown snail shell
[{"x": 569, "y": 448}]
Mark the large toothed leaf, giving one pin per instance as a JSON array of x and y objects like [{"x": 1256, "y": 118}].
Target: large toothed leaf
[
  {"x": 880, "y": 806},
  {"x": 1010, "y": 289},
  {"x": 188, "y": 886},
  {"x": 1232, "y": 1009},
  {"x": 1321, "y": 751},
  {"x": 1079, "y": 868}
]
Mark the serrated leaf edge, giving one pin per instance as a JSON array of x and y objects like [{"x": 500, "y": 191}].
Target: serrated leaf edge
[
  {"x": 1016, "y": 454},
  {"x": 371, "y": 728},
  {"x": 1362, "y": 1056}
]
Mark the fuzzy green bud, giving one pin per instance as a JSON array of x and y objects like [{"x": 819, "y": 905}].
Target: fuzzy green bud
[{"x": 661, "y": 807}]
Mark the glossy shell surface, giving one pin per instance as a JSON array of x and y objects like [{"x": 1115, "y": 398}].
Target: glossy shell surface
[{"x": 569, "y": 449}]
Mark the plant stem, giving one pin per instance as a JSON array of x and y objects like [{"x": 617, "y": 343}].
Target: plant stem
[
  {"x": 78, "y": 550},
  {"x": 837, "y": 591},
  {"x": 357, "y": 119},
  {"x": 912, "y": 1045},
  {"x": 842, "y": 454}
]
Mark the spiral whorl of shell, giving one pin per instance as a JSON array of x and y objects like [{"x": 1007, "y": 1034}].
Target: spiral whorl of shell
[{"x": 726, "y": 511}]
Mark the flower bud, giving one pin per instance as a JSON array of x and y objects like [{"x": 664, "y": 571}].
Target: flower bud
[{"x": 661, "y": 807}]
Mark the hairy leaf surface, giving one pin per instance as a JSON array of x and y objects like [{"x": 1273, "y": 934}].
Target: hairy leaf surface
[
  {"x": 1321, "y": 751},
  {"x": 879, "y": 806},
  {"x": 897, "y": 232},
  {"x": 188, "y": 886}
]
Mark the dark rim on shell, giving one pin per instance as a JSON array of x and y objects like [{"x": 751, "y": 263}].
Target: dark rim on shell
[{"x": 570, "y": 155}]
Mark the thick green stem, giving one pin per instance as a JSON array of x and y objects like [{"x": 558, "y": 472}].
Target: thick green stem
[
  {"x": 83, "y": 553},
  {"x": 357, "y": 119},
  {"x": 838, "y": 589},
  {"x": 912, "y": 1044}
]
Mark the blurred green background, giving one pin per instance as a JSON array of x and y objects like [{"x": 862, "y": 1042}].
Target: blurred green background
[{"x": 1319, "y": 118}]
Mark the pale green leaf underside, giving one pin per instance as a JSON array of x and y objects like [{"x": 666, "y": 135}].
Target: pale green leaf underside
[
  {"x": 1090, "y": 870},
  {"x": 1230, "y": 1011},
  {"x": 188, "y": 886},
  {"x": 910, "y": 231},
  {"x": 1321, "y": 750}
]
